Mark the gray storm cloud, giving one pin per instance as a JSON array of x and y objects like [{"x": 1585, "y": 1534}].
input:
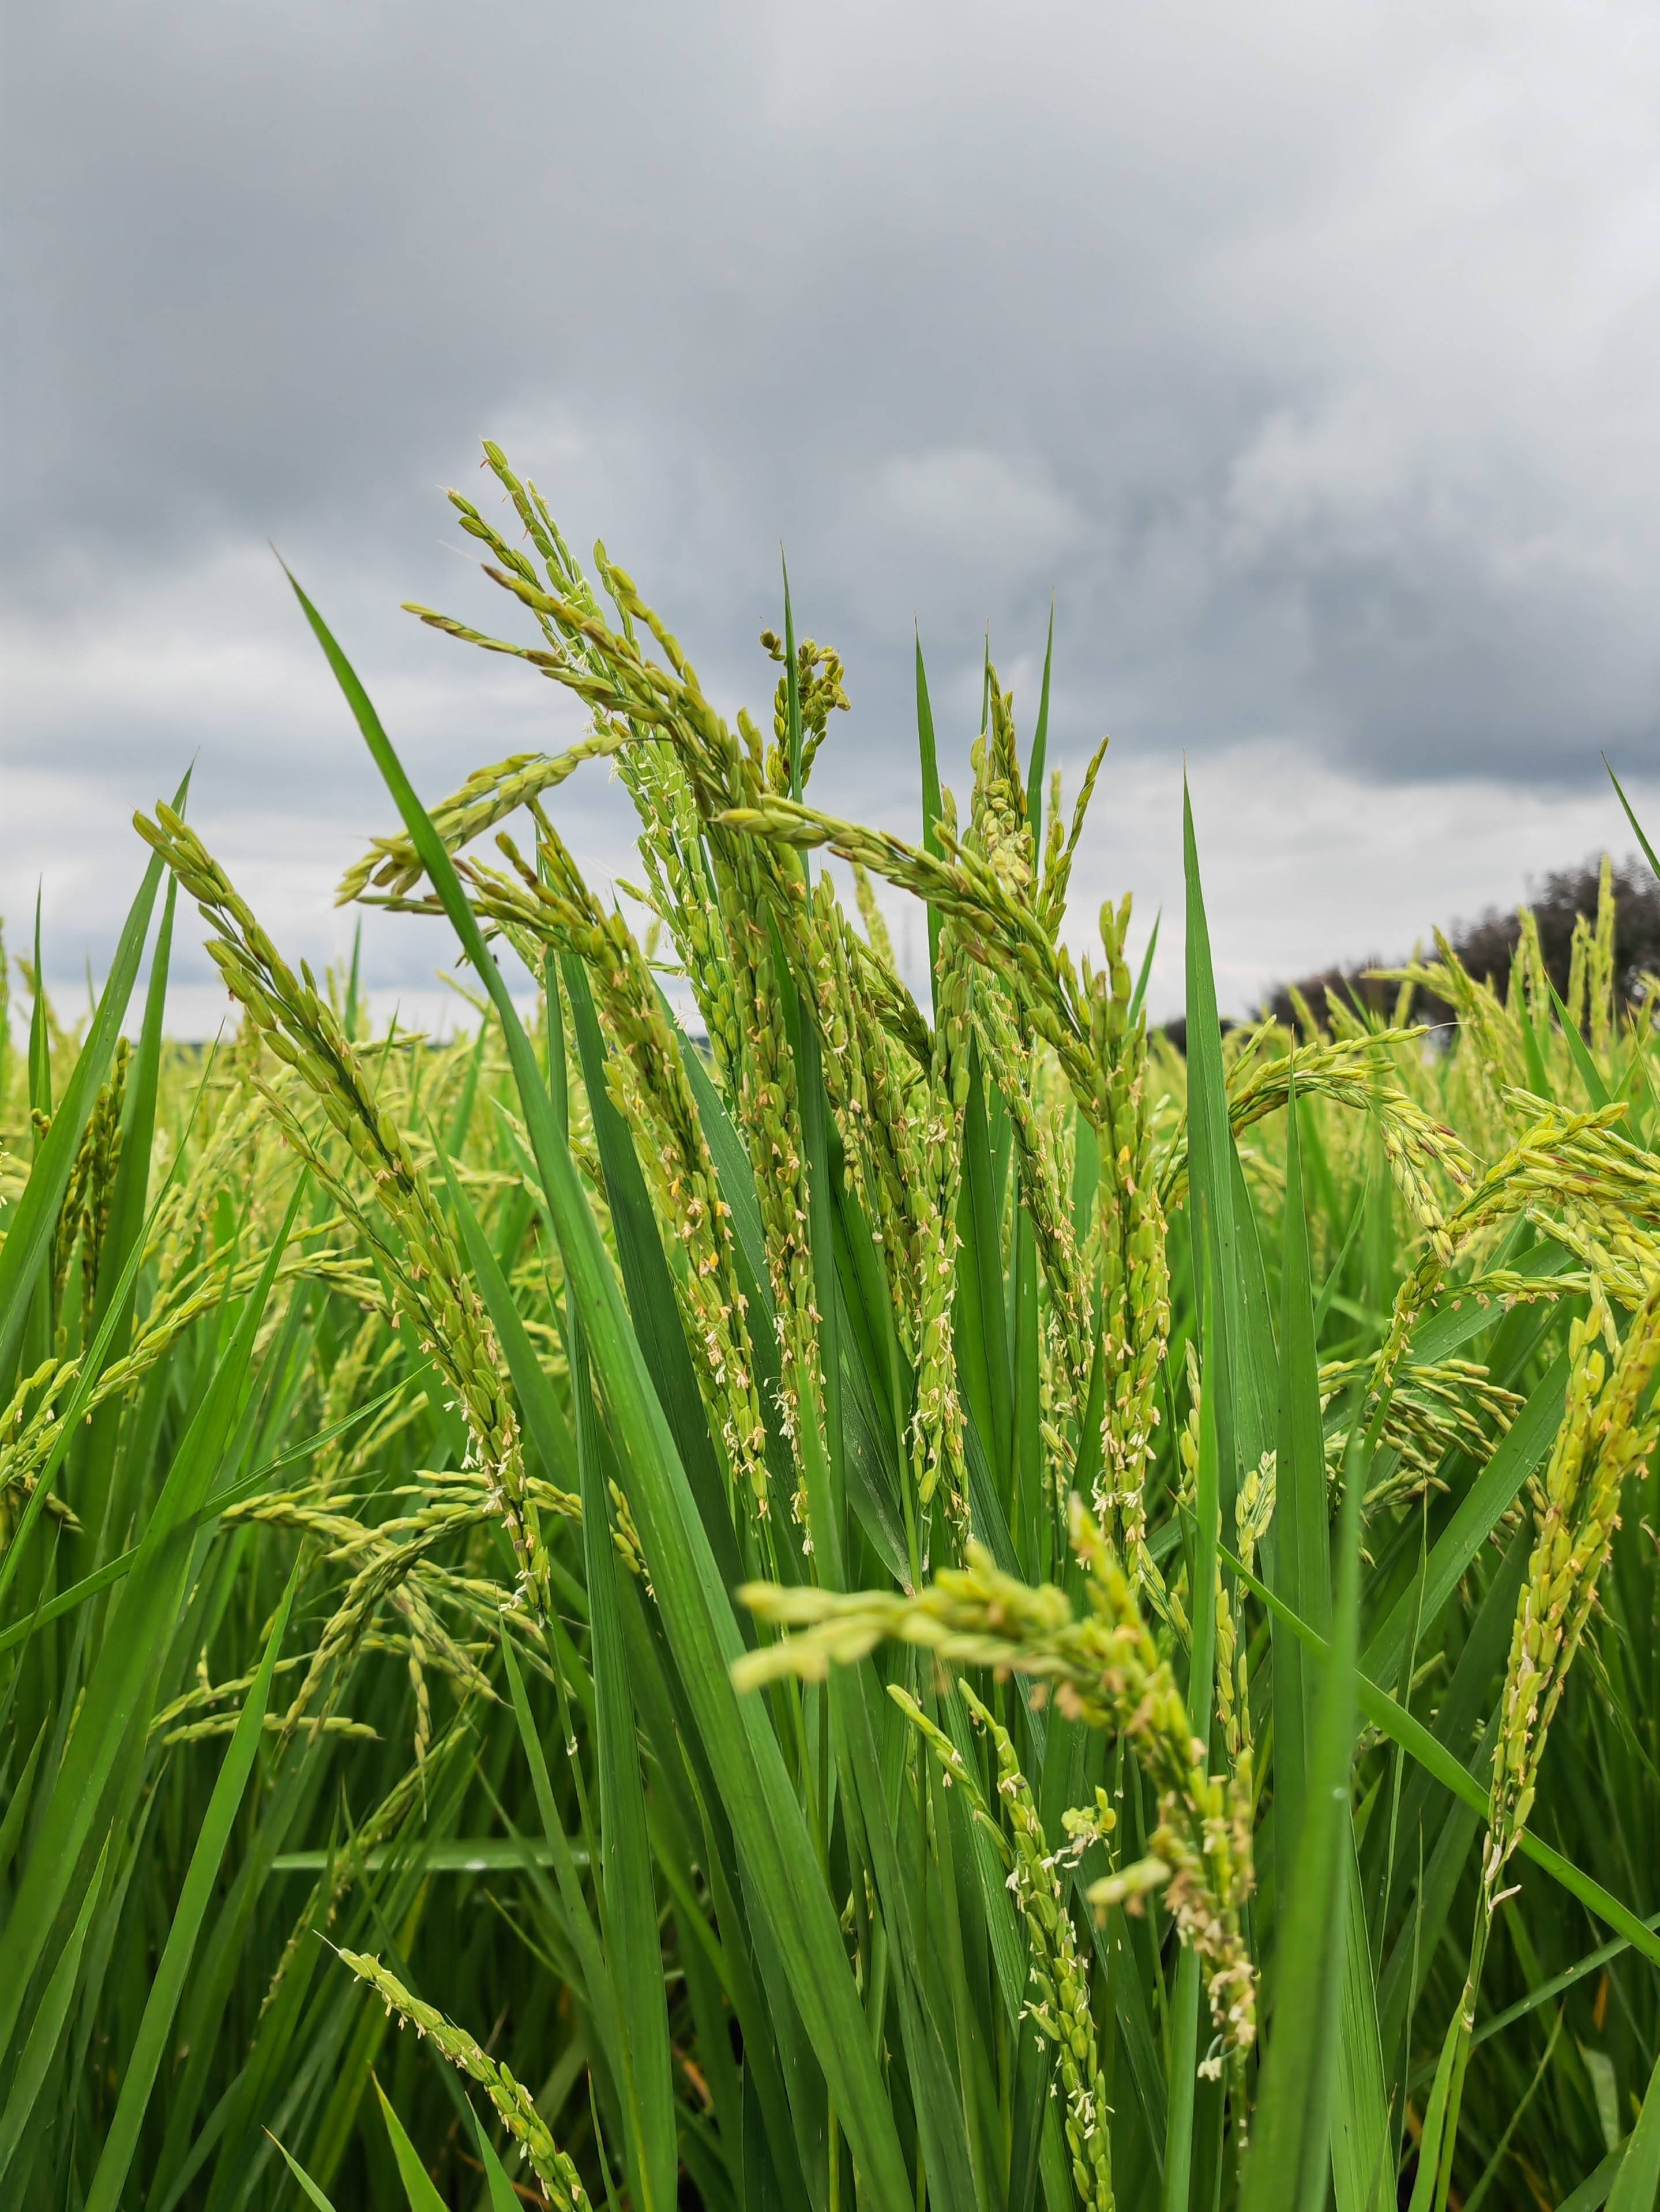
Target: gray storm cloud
[{"x": 1307, "y": 354}]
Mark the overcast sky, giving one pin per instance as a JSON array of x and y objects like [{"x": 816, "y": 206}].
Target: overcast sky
[{"x": 1307, "y": 353}]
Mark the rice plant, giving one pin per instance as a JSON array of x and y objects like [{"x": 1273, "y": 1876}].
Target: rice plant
[{"x": 753, "y": 1590}]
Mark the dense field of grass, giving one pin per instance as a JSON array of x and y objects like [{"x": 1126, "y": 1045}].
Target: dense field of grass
[{"x": 848, "y": 1604}]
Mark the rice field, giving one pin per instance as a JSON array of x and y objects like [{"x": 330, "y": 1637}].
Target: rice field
[{"x": 746, "y": 1592}]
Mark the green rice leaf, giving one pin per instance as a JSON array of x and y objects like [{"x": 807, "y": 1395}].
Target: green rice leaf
[
  {"x": 1289, "y": 2160},
  {"x": 496, "y": 2180},
  {"x": 417, "y": 2182},
  {"x": 46, "y": 2026},
  {"x": 123, "y": 1680},
  {"x": 1636, "y": 2185},
  {"x": 933, "y": 803},
  {"x": 1301, "y": 1570},
  {"x": 1400, "y": 1726},
  {"x": 1479, "y": 1513},
  {"x": 28, "y": 1237},
  {"x": 162, "y": 2002},
  {"x": 1589, "y": 1074},
  {"x": 312, "y": 2193},
  {"x": 544, "y": 1417},
  {"x": 1040, "y": 739},
  {"x": 1637, "y": 827},
  {"x": 634, "y": 1956}
]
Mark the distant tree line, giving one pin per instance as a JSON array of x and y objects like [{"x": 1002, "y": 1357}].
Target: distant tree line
[{"x": 1487, "y": 946}]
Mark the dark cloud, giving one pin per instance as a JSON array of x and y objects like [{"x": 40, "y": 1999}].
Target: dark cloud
[{"x": 1306, "y": 354}]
